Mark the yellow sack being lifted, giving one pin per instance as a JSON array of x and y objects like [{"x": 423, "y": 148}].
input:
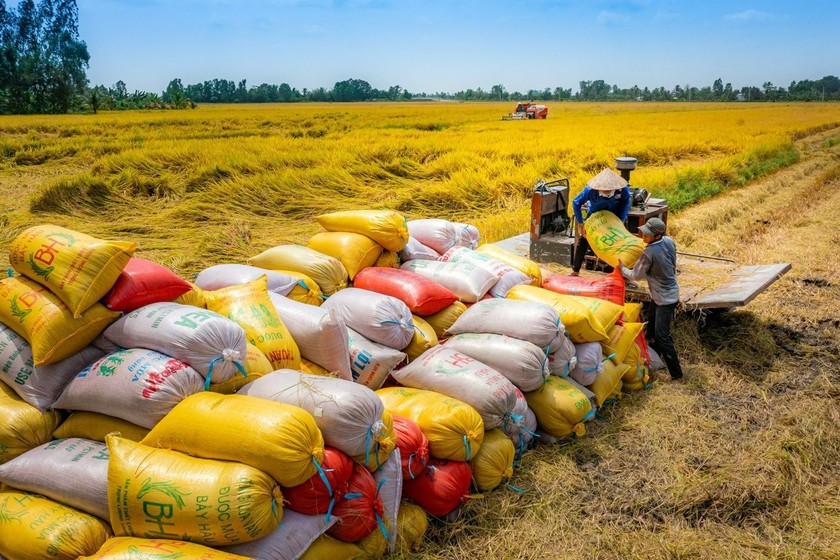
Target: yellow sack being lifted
[
  {"x": 306, "y": 290},
  {"x": 454, "y": 429},
  {"x": 493, "y": 464},
  {"x": 22, "y": 426},
  {"x": 607, "y": 386},
  {"x": 611, "y": 241},
  {"x": 256, "y": 365},
  {"x": 386, "y": 227},
  {"x": 135, "y": 548},
  {"x": 621, "y": 339},
  {"x": 586, "y": 319},
  {"x": 46, "y": 323},
  {"x": 354, "y": 250},
  {"x": 327, "y": 271},
  {"x": 632, "y": 312},
  {"x": 157, "y": 493},
  {"x": 560, "y": 407},
  {"x": 445, "y": 318},
  {"x": 95, "y": 426},
  {"x": 423, "y": 339},
  {"x": 78, "y": 268},
  {"x": 250, "y": 306},
  {"x": 32, "y": 526},
  {"x": 274, "y": 437},
  {"x": 529, "y": 267}
]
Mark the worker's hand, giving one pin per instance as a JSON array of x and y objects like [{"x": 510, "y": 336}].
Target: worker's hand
[
  {"x": 620, "y": 265},
  {"x": 580, "y": 231}
]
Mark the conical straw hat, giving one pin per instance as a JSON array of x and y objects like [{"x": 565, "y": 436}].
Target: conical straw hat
[{"x": 606, "y": 180}]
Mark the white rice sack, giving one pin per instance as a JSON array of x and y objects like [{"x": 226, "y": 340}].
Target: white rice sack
[
  {"x": 467, "y": 281},
  {"x": 461, "y": 377},
  {"x": 371, "y": 363},
  {"x": 508, "y": 277},
  {"x": 562, "y": 361},
  {"x": 523, "y": 363},
  {"x": 39, "y": 386},
  {"x": 389, "y": 485},
  {"x": 349, "y": 415},
  {"x": 72, "y": 471},
  {"x": 589, "y": 363},
  {"x": 538, "y": 323},
  {"x": 656, "y": 362},
  {"x": 593, "y": 398},
  {"x": 137, "y": 385},
  {"x": 221, "y": 276},
  {"x": 289, "y": 541},
  {"x": 320, "y": 334},
  {"x": 414, "y": 250},
  {"x": 212, "y": 344},
  {"x": 521, "y": 428},
  {"x": 377, "y": 317},
  {"x": 442, "y": 235}
]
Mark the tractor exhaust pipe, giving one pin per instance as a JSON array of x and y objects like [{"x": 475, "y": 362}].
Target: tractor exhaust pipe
[{"x": 625, "y": 165}]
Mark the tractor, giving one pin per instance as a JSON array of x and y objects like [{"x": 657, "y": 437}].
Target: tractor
[{"x": 525, "y": 111}]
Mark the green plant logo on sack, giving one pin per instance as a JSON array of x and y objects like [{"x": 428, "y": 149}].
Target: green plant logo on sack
[
  {"x": 7, "y": 516},
  {"x": 48, "y": 252},
  {"x": 17, "y": 311},
  {"x": 160, "y": 511},
  {"x": 135, "y": 553}
]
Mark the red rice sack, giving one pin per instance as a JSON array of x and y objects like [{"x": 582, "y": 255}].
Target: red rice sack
[
  {"x": 422, "y": 295},
  {"x": 469, "y": 282},
  {"x": 508, "y": 277},
  {"x": 609, "y": 287},
  {"x": 221, "y": 276},
  {"x": 142, "y": 282},
  {"x": 380, "y": 318},
  {"x": 523, "y": 363},
  {"x": 441, "y": 488},
  {"x": 416, "y": 250},
  {"x": 360, "y": 510},
  {"x": 413, "y": 445},
  {"x": 371, "y": 363},
  {"x": 23, "y": 426},
  {"x": 442, "y": 235},
  {"x": 319, "y": 494}
]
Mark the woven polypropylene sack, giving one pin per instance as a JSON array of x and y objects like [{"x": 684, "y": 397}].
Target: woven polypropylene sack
[
  {"x": 138, "y": 548},
  {"x": 326, "y": 271},
  {"x": 158, "y": 493},
  {"x": 386, "y": 227},
  {"x": 142, "y": 282},
  {"x": 632, "y": 312},
  {"x": 611, "y": 241},
  {"x": 413, "y": 446},
  {"x": 467, "y": 281},
  {"x": 508, "y": 277},
  {"x": 289, "y": 541},
  {"x": 354, "y": 250},
  {"x": 37, "y": 527},
  {"x": 388, "y": 259},
  {"x": 39, "y": 386},
  {"x": 521, "y": 432},
  {"x": 589, "y": 363},
  {"x": 523, "y": 363},
  {"x": 621, "y": 339},
  {"x": 444, "y": 486},
  {"x": 562, "y": 361},
  {"x": 493, "y": 464},
  {"x": 422, "y": 295},
  {"x": 609, "y": 287},
  {"x": 256, "y": 365},
  {"x": 442, "y": 235},
  {"x": 24, "y": 426},
  {"x": 95, "y": 426},
  {"x": 560, "y": 408},
  {"x": 319, "y": 494},
  {"x": 212, "y": 344},
  {"x": 71, "y": 471},
  {"x": 412, "y": 524},
  {"x": 607, "y": 386},
  {"x": 423, "y": 339},
  {"x": 320, "y": 333},
  {"x": 416, "y": 250},
  {"x": 529, "y": 267},
  {"x": 194, "y": 297},
  {"x": 454, "y": 429},
  {"x": 536, "y": 322},
  {"x": 137, "y": 385},
  {"x": 593, "y": 400},
  {"x": 384, "y": 446},
  {"x": 306, "y": 290},
  {"x": 46, "y": 323},
  {"x": 327, "y": 548},
  {"x": 445, "y": 318},
  {"x": 221, "y": 276},
  {"x": 371, "y": 363},
  {"x": 78, "y": 268},
  {"x": 277, "y": 438},
  {"x": 389, "y": 483},
  {"x": 360, "y": 510},
  {"x": 349, "y": 415},
  {"x": 380, "y": 318}
]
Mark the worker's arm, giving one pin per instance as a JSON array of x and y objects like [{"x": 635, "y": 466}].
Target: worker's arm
[
  {"x": 639, "y": 271},
  {"x": 625, "y": 204},
  {"x": 578, "y": 202}
]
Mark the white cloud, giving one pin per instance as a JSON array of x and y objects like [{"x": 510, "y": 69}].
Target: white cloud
[
  {"x": 750, "y": 15},
  {"x": 606, "y": 18}
]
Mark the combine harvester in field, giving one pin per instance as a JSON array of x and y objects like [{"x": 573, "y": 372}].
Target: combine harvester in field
[
  {"x": 527, "y": 111},
  {"x": 706, "y": 282}
]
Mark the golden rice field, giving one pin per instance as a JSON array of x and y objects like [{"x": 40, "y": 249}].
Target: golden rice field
[{"x": 741, "y": 461}]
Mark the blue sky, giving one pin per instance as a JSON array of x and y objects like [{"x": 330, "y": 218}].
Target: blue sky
[{"x": 437, "y": 45}]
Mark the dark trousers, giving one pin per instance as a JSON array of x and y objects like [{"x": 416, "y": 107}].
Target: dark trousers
[
  {"x": 580, "y": 253},
  {"x": 658, "y": 328}
]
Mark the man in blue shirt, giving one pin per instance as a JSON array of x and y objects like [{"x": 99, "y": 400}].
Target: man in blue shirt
[{"x": 605, "y": 191}]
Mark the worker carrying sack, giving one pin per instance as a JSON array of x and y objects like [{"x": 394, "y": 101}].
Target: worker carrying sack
[
  {"x": 23, "y": 426},
  {"x": 467, "y": 281},
  {"x": 77, "y": 268},
  {"x": 442, "y": 235},
  {"x": 380, "y": 318},
  {"x": 422, "y": 295},
  {"x": 508, "y": 277},
  {"x": 611, "y": 241},
  {"x": 354, "y": 250},
  {"x": 386, "y": 227},
  {"x": 326, "y": 271},
  {"x": 221, "y": 276}
]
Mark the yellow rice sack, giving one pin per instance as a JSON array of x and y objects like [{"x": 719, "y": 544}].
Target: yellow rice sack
[
  {"x": 423, "y": 339},
  {"x": 611, "y": 241},
  {"x": 636, "y": 378},
  {"x": 493, "y": 464},
  {"x": 274, "y": 437},
  {"x": 529, "y": 267},
  {"x": 78, "y": 268},
  {"x": 135, "y": 548},
  {"x": 607, "y": 386},
  {"x": 194, "y": 297},
  {"x": 157, "y": 493},
  {"x": 46, "y": 323},
  {"x": 445, "y": 318},
  {"x": 374, "y": 545},
  {"x": 388, "y": 259},
  {"x": 384, "y": 443},
  {"x": 35, "y": 527},
  {"x": 256, "y": 365},
  {"x": 326, "y": 271},
  {"x": 327, "y": 548},
  {"x": 250, "y": 306},
  {"x": 386, "y": 227},
  {"x": 560, "y": 407},
  {"x": 632, "y": 312},
  {"x": 412, "y": 524},
  {"x": 311, "y": 367},
  {"x": 22, "y": 426},
  {"x": 621, "y": 339},
  {"x": 586, "y": 319},
  {"x": 454, "y": 429},
  {"x": 95, "y": 426},
  {"x": 354, "y": 250},
  {"x": 306, "y": 291}
]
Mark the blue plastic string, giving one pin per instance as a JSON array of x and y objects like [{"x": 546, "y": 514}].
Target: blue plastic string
[
  {"x": 410, "y": 473},
  {"x": 382, "y": 528},
  {"x": 353, "y": 495},
  {"x": 327, "y": 484},
  {"x": 210, "y": 372},
  {"x": 512, "y": 487},
  {"x": 468, "y": 449}
]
